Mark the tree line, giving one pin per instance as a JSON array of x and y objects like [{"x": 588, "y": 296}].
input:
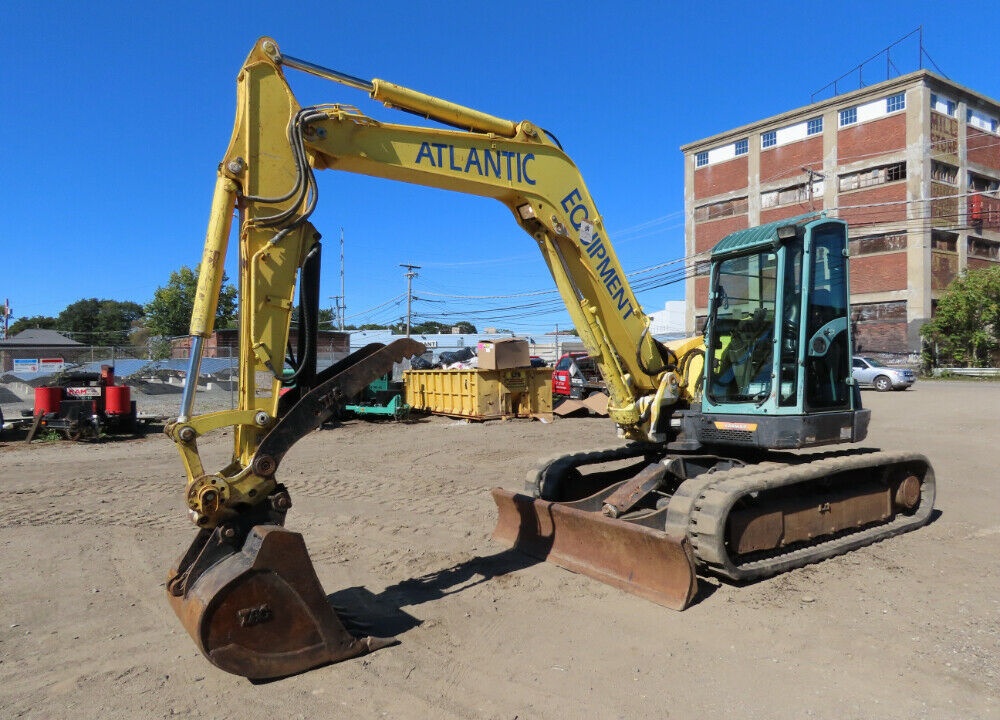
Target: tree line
[{"x": 115, "y": 323}]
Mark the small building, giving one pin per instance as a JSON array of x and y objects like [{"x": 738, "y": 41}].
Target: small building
[
  {"x": 34, "y": 350},
  {"x": 912, "y": 164}
]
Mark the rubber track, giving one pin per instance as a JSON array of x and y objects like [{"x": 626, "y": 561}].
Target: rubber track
[{"x": 700, "y": 508}]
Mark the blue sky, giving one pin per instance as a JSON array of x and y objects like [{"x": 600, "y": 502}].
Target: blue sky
[{"x": 115, "y": 116}]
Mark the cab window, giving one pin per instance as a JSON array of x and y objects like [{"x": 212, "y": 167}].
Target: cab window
[
  {"x": 828, "y": 355},
  {"x": 742, "y": 329}
]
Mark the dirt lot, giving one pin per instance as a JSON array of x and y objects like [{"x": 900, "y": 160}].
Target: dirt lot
[{"x": 401, "y": 515}]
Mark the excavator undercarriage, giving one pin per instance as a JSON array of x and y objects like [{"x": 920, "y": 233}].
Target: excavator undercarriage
[
  {"x": 249, "y": 596},
  {"x": 741, "y": 519}
]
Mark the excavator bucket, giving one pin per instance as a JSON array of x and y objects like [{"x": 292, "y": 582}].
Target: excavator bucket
[
  {"x": 260, "y": 611},
  {"x": 638, "y": 559}
]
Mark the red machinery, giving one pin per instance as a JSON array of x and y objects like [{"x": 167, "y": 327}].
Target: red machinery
[{"x": 86, "y": 406}]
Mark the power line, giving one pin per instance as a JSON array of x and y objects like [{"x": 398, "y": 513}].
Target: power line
[{"x": 644, "y": 280}]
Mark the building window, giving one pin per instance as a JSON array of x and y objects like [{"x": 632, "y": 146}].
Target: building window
[
  {"x": 848, "y": 116},
  {"x": 983, "y": 249},
  {"x": 944, "y": 173},
  {"x": 981, "y": 121},
  {"x": 869, "y": 244},
  {"x": 814, "y": 126},
  {"x": 701, "y": 159},
  {"x": 982, "y": 184},
  {"x": 874, "y": 176},
  {"x": 942, "y": 104},
  {"x": 790, "y": 195},
  {"x": 769, "y": 138},
  {"x": 895, "y": 102},
  {"x": 742, "y": 146},
  {"x": 726, "y": 208},
  {"x": 944, "y": 241}
]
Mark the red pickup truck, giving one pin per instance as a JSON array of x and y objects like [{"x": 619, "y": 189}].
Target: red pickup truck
[{"x": 576, "y": 376}]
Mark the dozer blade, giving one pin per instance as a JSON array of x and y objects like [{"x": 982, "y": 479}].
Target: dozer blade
[
  {"x": 261, "y": 611},
  {"x": 631, "y": 557}
]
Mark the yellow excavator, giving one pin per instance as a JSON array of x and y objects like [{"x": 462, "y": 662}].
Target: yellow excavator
[{"x": 714, "y": 476}]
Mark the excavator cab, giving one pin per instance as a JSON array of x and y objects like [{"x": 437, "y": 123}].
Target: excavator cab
[{"x": 778, "y": 340}]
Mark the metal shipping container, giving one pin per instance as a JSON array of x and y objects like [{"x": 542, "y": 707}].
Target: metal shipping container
[{"x": 481, "y": 394}]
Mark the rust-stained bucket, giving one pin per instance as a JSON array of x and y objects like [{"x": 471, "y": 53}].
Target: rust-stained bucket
[
  {"x": 261, "y": 612},
  {"x": 640, "y": 560}
]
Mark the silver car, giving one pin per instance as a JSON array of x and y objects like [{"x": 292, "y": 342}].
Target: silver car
[{"x": 869, "y": 371}]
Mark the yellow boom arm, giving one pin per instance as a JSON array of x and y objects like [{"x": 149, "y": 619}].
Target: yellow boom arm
[{"x": 267, "y": 174}]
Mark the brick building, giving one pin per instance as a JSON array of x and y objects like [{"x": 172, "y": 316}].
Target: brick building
[{"x": 912, "y": 164}]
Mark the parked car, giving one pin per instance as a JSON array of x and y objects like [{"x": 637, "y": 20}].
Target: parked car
[
  {"x": 537, "y": 362},
  {"x": 869, "y": 371},
  {"x": 576, "y": 376}
]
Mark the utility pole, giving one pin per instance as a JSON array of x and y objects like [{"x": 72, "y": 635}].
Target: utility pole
[
  {"x": 812, "y": 174},
  {"x": 409, "y": 275},
  {"x": 342, "y": 309},
  {"x": 338, "y": 319},
  {"x": 5, "y": 311}
]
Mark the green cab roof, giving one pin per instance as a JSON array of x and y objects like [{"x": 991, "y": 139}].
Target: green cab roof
[{"x": 760, "y": 237}]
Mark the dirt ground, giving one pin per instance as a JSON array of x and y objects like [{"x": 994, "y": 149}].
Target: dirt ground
[{"x": 399, "y": 517}]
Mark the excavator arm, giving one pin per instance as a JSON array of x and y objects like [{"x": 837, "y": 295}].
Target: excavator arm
[{"x": 522, "y": 167}]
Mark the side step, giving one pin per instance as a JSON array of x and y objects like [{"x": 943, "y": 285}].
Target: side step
[{"x": 634, "y": 558}]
